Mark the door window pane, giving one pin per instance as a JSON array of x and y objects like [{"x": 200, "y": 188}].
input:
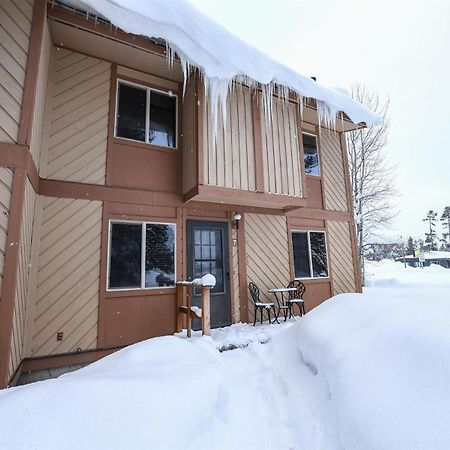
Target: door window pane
[
  {"x": 210, "y": 258},
  {"x": 125, "y": 256},
  {"x": 131, "y": 112},
  {"x": 163, "y": 115},
  {"x": 159, "y": 255},
  {"x": 318, "y": 254},
  {"x": 301, "y": 255},
  {"x": 311, "y": 154}
]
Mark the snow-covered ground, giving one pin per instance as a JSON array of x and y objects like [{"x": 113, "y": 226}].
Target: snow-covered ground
[{"x": 359, "y": 372}]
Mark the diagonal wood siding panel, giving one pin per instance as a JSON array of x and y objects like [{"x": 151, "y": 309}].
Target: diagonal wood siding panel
[
  {"x": 23, "y": 270},
  {"x": 41, "y": 94},
  {"x": 68, "y": 277},
  {"x": 333, "y": 171},
  {"x": 267, "y": 248},
  {"x": 341, "y": 257},
  {"x": 229, "y": 160},
  {"x": 281, "y": 152},
  {"x": 78, "y": 118},
  {"x": 15, "y": 31},
  {"x": 6, "y": 181}
]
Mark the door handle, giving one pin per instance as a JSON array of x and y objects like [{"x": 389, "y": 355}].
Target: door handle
[{"x": 228, "y": 275}]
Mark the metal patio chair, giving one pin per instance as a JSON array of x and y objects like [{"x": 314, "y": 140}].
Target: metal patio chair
[
  {"x": 259, "y": 305},
  {"x": 296, "y": 297}
]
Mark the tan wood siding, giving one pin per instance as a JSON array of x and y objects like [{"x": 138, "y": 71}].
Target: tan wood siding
[
  {"x": 41, "y": 93},
  {"x": 266, "y": 243},
  {"x": 189, "y": 137},
  {"x": 341, "y": 257},
  {"x": 23, "y": 270},
  {"x": 229, "y": 160},
  {"x": 68, "y": 277},
  {"x": 281, "y": 152},
  {"x": 6, "y": 181},
  {"x": 15, "y": 30},
  {"x": 78, "y": 118},
  {"x": 333, "y": 175}
]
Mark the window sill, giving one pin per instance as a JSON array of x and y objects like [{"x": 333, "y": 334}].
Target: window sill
[
  {"x": 314, "y": 280},
  {"x": 144, "y": 145},
  {"x": 150, "y": 292}
]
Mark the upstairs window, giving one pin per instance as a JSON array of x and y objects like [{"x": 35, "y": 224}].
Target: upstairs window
[
  {"x": 311, "y": 154},
  {"x": 310, "y": 254},
  {"x": 141, "y": 255},
  {"x": 146, "y": 115}
]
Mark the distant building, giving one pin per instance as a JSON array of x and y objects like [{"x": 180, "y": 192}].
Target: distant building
[{"x": 432, "y": 257}]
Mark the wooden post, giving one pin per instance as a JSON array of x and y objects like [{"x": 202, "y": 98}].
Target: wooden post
[
  {"x": 190, "y": 292},
  {"x": 180, "y": 293},
  {"x": 206, "y": 320}
]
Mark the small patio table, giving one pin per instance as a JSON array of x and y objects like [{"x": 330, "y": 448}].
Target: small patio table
[{"x": 282, "y": 297}]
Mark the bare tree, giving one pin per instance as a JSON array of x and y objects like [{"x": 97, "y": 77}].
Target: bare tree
[{"x": 371, "y": 172}]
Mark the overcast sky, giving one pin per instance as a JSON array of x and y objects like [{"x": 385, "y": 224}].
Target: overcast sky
[{"x": 399, "y": 49}]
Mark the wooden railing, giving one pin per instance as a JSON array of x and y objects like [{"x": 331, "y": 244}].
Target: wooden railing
[{"x": 185, "y": 294}]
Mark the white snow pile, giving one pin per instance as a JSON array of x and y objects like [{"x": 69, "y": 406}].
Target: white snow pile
[
  {"x": 360, "y": 372},
  {"x": 221, "y": 57}
]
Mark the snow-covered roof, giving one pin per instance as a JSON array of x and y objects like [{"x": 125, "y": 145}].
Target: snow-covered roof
[{"x": 220, "y": 56}]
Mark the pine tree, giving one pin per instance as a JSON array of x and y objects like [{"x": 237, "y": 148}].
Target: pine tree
[
  {"x": 410, "y": 248},
  {"x": 445, "y": 219},
  {"x": 430, "y": 237}
]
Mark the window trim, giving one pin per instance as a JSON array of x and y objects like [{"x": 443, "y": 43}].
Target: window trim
[
  {"x": 148, "y": 90},
  {"x": 143, "y": 223},
  {"x": 318, "y": 155},
  {"x": 312, "y": 277}
]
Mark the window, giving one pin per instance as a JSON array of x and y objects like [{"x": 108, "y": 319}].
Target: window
[
  {"x": 141, "y": 255},
  {"x": 310, "y": 254},
  {"x": 146, "y": 115},
  {"x": 311, "y": 154}
]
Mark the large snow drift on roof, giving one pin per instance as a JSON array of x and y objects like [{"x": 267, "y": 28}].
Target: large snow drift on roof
[{"x": 221, "y": 57}]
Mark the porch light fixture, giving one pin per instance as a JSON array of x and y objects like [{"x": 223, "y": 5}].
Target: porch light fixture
[{"x": 237, "y": 218}]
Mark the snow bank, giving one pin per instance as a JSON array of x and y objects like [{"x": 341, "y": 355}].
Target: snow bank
[
  {"x": 221, "y": 57},
  {"x": 380, "y": 360},
  {"x": 360, "y": 372}
]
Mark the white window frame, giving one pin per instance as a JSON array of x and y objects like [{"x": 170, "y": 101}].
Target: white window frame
[
  {"x": 143, "y": 235},
  {"x": 318, "y": 154},
  {"x": 311, "y": 277},
  {"x": 148, "y": 90}
]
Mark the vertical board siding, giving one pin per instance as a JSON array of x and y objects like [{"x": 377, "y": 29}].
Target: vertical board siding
[
  {"x": 23, "y": 270},
  {"x": 79, "y": 118},
  {"x": 189, "y": 136},
  {"x": 15, "y": 31},
  {"x": 6, "y": 181},
  {"x": 333, "y": 171},
  {"x": 267, "y": 247},
  {"x": 281, "y": 151},
  {"x": 341, "y": 257},
  {"x": 229, "y": 158},
  {"x": 68, "y": 276},
  {"x": 41, "y": 94}
]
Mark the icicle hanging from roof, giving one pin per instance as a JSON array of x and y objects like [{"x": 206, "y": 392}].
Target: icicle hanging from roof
[{"x": 222, "y": 58}]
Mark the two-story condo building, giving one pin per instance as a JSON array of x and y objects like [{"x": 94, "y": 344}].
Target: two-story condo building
[{"x": 119, "y": 176}]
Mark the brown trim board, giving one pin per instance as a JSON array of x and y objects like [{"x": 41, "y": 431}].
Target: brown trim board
[
  {"x": 32, "y": 72},
  {"x": 83, "y": 22},
  {"x": 65, "y": 359},
  {"x": 242, "y": 266},
  {"x": 19, "y": 156},
  {"x": 8, "y": 290}
]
